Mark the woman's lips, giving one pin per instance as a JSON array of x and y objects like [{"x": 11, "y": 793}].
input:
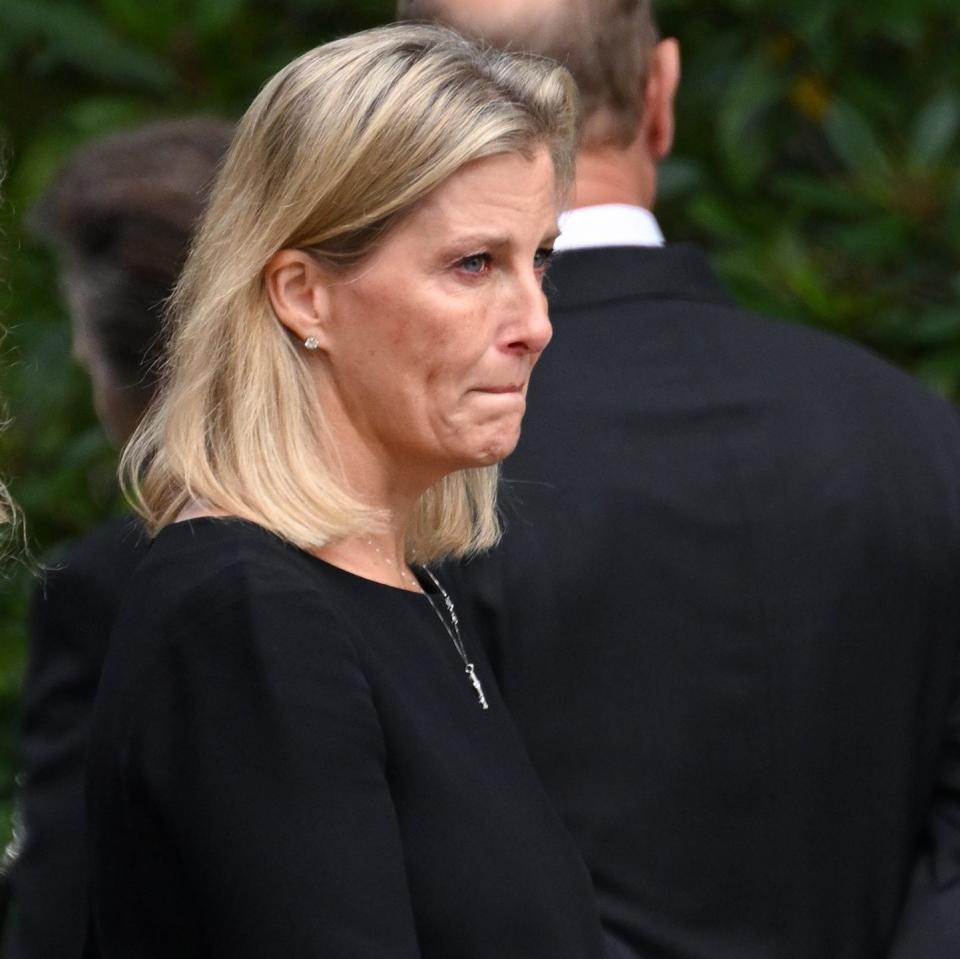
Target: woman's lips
[{"x": 513, "y": 388}]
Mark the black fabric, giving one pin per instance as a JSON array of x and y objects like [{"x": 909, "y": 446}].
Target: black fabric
[
  {"x": 71, "y": 614},
  {"x": 726, "y": 615},
  {"x": 289, "y": 760}
]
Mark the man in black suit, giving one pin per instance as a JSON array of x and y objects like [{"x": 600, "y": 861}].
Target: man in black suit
[
  {"x": 726, "y": 610},
  {"x": 119, "y": 214}
]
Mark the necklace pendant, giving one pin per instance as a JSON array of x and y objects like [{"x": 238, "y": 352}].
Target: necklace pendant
[
  {"x": 472, "y": 673},
  {"x": 452, "y": 629}
]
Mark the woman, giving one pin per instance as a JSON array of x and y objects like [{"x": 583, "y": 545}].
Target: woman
[{"x": 296, "y": 751}]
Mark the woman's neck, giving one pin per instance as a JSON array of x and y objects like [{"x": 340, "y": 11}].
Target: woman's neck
[{"x": 379, "y": 557}]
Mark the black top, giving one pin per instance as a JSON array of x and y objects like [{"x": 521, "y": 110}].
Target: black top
[
  {"x": 289, "y": 760},
  {"x": 726, "y": 619},
  {"x": 72, "y": 612}
]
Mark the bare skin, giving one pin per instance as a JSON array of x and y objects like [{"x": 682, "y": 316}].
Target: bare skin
[
  {"x": 605, "y": 174},
  {"x": 426, "y": 348},
  {"x": 612, "y": 174}
]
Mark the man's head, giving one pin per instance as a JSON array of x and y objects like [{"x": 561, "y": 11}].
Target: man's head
[
  {"x": 119, "y": 214},
  {"x": 626, "y": 77}
]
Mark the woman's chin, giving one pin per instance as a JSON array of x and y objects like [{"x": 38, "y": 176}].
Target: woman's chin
[
  {"x": 482, "y": 446},
  {"x": 497, "y": 449}
]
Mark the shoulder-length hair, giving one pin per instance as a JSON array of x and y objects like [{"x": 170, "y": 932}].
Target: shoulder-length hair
[{"x": 333, "y": 152}]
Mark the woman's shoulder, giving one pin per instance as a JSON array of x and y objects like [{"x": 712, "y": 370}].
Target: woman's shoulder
[
  {"x": 224, "y": 625},
  {"x": 211, "y": 575},
  {"x": 198, "y": 553},
  {"x": 227, "y": 602}
]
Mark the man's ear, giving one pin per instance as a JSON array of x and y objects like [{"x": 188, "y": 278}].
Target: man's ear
[
  {"x": 297, "y": 285},
  {"x": 663, "y": 77}
]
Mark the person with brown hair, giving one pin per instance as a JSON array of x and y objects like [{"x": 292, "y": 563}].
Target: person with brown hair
[
  {"x": 119, "y": 215},
  {"x": 725, "y": 613}
]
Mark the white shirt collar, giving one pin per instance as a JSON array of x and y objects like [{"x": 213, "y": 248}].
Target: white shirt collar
[{"x": 609, "y": 224}]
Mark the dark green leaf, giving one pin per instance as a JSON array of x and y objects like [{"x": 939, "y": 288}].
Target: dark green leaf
[
  {"x": 71, "y": 34},
  {"x": 855, "y": 142},
  {"x": 936, "y": 130}
]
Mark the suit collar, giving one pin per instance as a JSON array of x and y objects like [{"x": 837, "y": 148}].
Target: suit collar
[{"x": 590, "y": 277}]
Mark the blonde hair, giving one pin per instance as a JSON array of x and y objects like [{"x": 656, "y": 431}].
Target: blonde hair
[
  {"x": 605, "y": 44},
  {"x": 333, "y": 152}
]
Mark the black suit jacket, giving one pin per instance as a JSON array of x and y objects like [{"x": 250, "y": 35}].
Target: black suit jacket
[
  {"x": 726, "y": 616},
  {"x": 72, "y": 613}
]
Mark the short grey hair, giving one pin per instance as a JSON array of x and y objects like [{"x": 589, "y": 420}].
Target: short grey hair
[{"x": 605, "y": 44}]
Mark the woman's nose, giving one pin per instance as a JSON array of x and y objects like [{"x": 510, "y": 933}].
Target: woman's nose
[{"x": 530, "y": 329}]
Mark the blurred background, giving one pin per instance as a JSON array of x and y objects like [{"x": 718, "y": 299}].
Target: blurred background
[{"x": 817, "y": 160}]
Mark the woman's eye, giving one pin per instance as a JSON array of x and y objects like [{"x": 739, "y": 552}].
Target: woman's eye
[
  {"x": 475, "y": 263},
  {"x": 541, "y": 259}
]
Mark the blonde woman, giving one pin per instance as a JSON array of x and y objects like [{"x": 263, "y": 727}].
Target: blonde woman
[{"x": 298, "y": 751}]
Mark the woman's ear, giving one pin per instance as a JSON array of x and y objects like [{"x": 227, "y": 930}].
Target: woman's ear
[{"x": 297, "y": 286}]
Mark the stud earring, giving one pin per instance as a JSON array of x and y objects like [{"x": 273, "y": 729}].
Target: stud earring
[{"x": 311, "y": 343}]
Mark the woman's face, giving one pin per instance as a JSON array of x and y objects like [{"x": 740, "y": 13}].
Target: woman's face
[{"x": 430, "y": 341}]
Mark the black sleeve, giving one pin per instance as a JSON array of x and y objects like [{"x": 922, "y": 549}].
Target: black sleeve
[
  {"x": 261, "y": 753},
  {"x": 70, "y": 617},
  {"x": 930, "y": 923}
]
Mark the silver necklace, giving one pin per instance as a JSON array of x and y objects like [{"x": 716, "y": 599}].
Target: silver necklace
[
  {"x": 401, "y": 572},
  {"x": 454, "y": 634}
]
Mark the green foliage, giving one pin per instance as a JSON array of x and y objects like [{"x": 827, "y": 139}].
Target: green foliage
[{"x": 818, "y": 158}]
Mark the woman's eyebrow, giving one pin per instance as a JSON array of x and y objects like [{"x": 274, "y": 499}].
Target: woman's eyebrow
[
  {"x": 481, "y": 238},
  {"x": 478, "y": 238}
]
